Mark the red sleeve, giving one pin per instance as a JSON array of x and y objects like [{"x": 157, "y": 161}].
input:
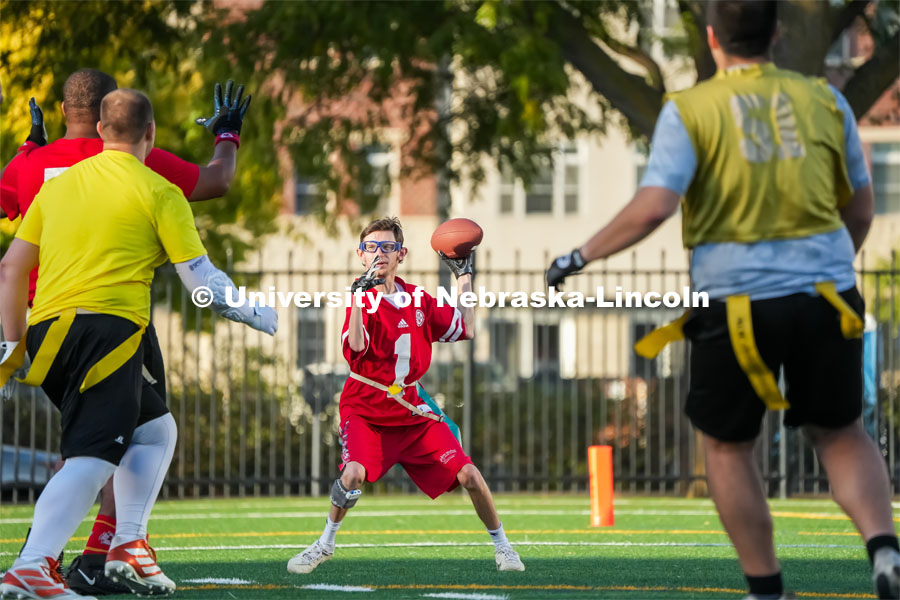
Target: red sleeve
[
  {"x": 354, "y": 357},
  {"x": 182, "y": 173},
  {"x": 9, "y": 186},
  {"x": 444, "y": 322},
  {"x": 28, "y": 145}
]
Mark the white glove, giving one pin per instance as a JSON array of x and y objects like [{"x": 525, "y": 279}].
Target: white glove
[
  {"x": 264, "y": 319},
  {"x": 6, "y": 350}
]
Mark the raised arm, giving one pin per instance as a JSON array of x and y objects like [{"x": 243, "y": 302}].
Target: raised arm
[{"x": 225, "y": 123}]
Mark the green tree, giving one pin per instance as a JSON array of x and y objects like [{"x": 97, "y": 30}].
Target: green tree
[
  {"x": 155, "y": 47},
  {"x": 510, "y": 66}
]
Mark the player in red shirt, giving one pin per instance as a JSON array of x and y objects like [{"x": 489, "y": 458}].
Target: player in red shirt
[
  {"x": 37, "y": 162},
  {"x": 383, "y": 423}
]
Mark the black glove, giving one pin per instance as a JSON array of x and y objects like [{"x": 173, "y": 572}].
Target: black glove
[
  {"x": 38, "y": 133},
  {"x": 367, "y": 280},
  {"x": 228, "y": 113},
  {"x": 460, "y": 266},
  {"x": 564, "y": 266}
]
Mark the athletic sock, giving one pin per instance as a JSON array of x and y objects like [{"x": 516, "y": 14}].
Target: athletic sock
[
  {"x": 766, "y": 587},
  {"x": 140, "y": 476},
  {"x": 101, "y": 535},
  {"x": 498, "y": 536},
  {"x": 331, "y": 529},
  {"x": 881, "y": 541},
  {"x": 62, "y": 505}
]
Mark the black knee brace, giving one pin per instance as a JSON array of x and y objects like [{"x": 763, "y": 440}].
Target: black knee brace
[{"x": 342, "y": 497}]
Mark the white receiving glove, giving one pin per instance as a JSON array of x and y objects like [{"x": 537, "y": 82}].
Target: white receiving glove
[
  {"x": 264, "y": 319},
  {"x": 6, "y": 350}
]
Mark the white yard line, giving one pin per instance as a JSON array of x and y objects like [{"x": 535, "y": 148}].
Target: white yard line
[{"x": 469, "y": 544}]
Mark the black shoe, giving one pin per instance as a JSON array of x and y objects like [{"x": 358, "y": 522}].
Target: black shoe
[{"x": 86, "y": 576}]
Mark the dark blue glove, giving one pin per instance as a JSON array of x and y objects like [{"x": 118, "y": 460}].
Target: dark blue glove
[
  {"x": 38, "y": 133},
  {"x": 228, "y": 112}
]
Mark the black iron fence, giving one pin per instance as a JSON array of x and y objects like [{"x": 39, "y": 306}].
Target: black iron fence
[{"x": 258, "y": 415}]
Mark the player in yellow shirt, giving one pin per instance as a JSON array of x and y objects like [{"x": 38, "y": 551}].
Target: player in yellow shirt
[
  {"x": 777, "y": 200},
  {"x": 90, "y": 310}
]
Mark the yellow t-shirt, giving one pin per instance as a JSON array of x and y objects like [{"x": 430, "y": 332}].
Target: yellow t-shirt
[
  {"x": 770, "y": 153},
  {"x": 103, "y": 226}
]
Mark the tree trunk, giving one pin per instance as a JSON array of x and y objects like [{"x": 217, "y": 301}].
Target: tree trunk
[
  {"x": 871, "y": 80},
  {"x": 627, "y": 93},
  {"x": 804, "y": 36}
]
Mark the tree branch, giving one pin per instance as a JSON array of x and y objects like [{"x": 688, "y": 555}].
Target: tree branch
[
  {"x": 703, "y": 60},
  {"x": 635, "y": 53},
  {"x": 640, "y": 57},
  {"x": 843, "y": 16},
  {"x": 875, "y": 76},
  {"x": 629, "y": 94}
]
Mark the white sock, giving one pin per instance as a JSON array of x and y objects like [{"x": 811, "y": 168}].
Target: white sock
[
  {"x": 331, "y": 529},
  {"x": 140, "y": 476},
  {"x": 62, "y": 506},
  {"x": 499, "y": 536}
]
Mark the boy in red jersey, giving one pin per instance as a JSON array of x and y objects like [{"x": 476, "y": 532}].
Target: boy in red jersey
[{"x": 388, "y": 345}]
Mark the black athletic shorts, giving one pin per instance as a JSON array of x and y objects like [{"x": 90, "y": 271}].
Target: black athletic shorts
[
  {"x": 153, "y": 390},
  {"x": 100, "y": 421},
  {"x": 802, "y": 334}
]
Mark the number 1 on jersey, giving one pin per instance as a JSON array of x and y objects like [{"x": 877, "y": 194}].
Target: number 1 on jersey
[{"x": 402, "y": 349}]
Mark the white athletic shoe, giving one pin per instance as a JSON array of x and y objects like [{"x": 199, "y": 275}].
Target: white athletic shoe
[
  {"x": 310, "y": 558},
  {"x": 508, "y": 559},
  {"x": 886, "y": 573},
  {"x": 38, "y": 580}
]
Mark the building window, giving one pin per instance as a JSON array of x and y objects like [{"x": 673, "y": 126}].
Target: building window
[
  {"x": 379, "y": 158},
  {"x": 555, "y": 189},
  {"x": 507, "y": 192},
  {"x": 641, "y": 156},
  {"x": 307, "y": 196},
  {"x": 310, "y": 336},
  {"x": 886, "y": 178},
  {"x": 504, "y": 338},
  {"x": 640, "y": 366},
  {"x": 546, "y": 349},
  {"x": 842, "y": 52},
  {"x": 539, "y": 195}
]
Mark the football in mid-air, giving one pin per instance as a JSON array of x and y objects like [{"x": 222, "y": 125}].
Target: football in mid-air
[{"x": 457, "y": 237}]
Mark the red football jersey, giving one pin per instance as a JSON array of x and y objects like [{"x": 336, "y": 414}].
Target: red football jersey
[
  {"x": 398, "y": 348},
  {"x": 26, "y": 173}
]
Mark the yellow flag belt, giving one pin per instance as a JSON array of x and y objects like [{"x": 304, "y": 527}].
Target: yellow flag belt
[
  {"x": 50, "y": 346},
  {"x": 740, "y": 329}
]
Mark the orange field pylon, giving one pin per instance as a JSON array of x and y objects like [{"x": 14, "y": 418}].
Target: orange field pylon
[{"x": 600, "y": 467}]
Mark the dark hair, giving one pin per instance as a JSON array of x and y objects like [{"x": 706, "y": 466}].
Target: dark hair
[
  {"x": 125, "y": 115},
  {"x": 83, "y": 92},
  {"x": 743, "y": 27},
  {"x": 386, "y": 224}
]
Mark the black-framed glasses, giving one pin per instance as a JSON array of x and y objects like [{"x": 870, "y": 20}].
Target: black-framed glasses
[{"x": 387, "y": 246}]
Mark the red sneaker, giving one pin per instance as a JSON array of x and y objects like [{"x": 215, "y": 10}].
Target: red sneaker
[
  {"x": 39, "y": 580},
  {"x": 134, "y": 566}
]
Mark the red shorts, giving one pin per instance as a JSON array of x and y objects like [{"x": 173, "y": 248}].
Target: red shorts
[{"x": 428, "y": 451}]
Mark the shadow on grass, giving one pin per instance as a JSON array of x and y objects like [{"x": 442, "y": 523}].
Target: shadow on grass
[{"x": 575, "y": 577}]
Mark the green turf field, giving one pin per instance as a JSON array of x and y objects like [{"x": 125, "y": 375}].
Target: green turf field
[{"x": 412, "y": 547}]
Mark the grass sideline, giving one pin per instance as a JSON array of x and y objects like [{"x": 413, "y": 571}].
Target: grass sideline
[{"x": 412, "y": 547}]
